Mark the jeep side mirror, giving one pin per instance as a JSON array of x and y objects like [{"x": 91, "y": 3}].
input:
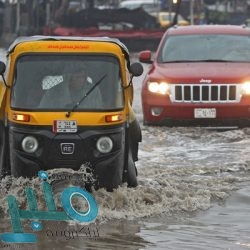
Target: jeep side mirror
[
  {"x": 145, "y": 56},
  {"x": 136, "y": 69}
]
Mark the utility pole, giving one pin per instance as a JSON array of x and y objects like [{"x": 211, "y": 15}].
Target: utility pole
[
  {"x": 191, "y": 12},
  {"x": 177, "y": 4},
  {"x": 18, "y": 14}
]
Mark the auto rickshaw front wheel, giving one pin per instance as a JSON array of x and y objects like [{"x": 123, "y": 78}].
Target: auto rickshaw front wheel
[
  {"x": 4, "y": 152},
  {"x": 131, "y": 172}
]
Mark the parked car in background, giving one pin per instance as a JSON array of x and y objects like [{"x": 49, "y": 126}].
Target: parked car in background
[
  {"x": 200, "y": 75},
  {"x": 165, "y": 19}
]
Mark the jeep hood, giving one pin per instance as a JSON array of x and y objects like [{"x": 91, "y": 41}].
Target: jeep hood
[{"x": 193, "y": 72}]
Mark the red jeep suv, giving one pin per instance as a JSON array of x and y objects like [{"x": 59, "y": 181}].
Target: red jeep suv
[{"x": 200, "y": 76}]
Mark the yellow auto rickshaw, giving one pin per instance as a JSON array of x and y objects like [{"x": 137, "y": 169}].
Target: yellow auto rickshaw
[{"x": 42, "y": 129}]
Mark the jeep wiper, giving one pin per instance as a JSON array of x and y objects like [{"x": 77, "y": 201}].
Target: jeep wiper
[
  {"x": 177, "y": 61},
  {"x": 83, "y": 98},
  {"x": 194, "y": 61},
  {"x": 212, "y": 60}
]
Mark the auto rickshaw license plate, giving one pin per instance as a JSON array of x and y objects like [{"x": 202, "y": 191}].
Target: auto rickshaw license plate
[{"x": 64, "y": 126}]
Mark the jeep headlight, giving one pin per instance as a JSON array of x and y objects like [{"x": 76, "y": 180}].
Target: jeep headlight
[
  {"x": 29, "y": 144},
  {"x": 104, "y": 144},
  {"x": 246, "y": 88},
  {"x": 158, "y": 87}
]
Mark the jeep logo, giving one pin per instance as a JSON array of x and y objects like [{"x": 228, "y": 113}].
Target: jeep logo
[
  {"x": 67, "y": 148},
  {"x": 205, "y": 80}
]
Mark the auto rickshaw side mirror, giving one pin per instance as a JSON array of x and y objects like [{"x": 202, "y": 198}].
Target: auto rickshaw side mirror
[
  {"x": 136, "y": 69},
  {"x": 2, "y": 70}
]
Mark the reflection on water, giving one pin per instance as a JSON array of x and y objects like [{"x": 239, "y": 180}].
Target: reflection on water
[
  {"x": 224, "y": 226},
  {"x": 64, "y": 235}
]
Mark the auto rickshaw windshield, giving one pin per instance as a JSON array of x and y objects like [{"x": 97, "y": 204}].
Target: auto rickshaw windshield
[{"x": 56, "y": 82}]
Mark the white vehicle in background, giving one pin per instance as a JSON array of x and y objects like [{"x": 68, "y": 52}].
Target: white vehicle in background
[{"x": 148, "y": 5}]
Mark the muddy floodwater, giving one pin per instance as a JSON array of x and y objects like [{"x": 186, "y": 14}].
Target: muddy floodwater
[{"x": 193, "y": 193}]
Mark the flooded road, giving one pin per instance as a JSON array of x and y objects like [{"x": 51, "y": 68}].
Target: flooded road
[{"x": 193, "y": 193}]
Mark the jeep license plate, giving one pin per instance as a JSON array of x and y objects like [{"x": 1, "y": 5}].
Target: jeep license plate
[
  {"x": 205, "y": 113},
  {"x": 65, "y": 126}
]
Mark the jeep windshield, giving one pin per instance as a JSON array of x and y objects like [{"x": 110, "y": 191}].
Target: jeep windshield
[
  {"x": 67, "y": 83},
  {"x": 205, "y": 48}
]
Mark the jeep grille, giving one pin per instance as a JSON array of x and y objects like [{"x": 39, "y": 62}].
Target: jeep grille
[{"x": 205, "y": 93}]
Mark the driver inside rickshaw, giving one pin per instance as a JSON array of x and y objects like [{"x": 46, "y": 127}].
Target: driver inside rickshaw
[{"x": 72, "y": 89}]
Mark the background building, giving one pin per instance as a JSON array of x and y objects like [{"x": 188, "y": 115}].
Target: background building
[{"x": 28, "y": 17}]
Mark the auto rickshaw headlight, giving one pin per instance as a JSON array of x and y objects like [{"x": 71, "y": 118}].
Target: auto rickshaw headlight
[
  {"x": 30, "y": 144},
  {"x": 104, "y": 144}
]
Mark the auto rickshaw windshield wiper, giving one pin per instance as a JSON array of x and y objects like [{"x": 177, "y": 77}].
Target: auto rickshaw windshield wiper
[{"x": 83, "y": 98}]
